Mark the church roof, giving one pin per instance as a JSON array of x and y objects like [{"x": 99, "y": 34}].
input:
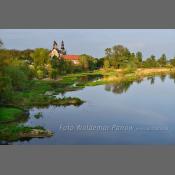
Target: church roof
[
  {"x": 56, "y": 50},
  {"x": 71, "y": 57}
]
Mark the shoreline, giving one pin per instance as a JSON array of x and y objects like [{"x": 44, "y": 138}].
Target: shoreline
[
  {"x": 65, "y": 84},
  {"x": 120, "y": 75}
]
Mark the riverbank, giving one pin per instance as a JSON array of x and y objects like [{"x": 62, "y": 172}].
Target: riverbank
[
  {"x": 113, "y": 75},
  {"x": 10, "y": 114},
  {"x": 42, "y": 93},
  {"x": 11, "y": 127},
  {"x": 16, "y": 131}
]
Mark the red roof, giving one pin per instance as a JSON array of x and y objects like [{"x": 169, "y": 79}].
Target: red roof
[{"x": 71, "y": 57}]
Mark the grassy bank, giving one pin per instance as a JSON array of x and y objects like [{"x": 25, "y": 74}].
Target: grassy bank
[
  {"x": 14, "y": 132},
  {"x": 59, "y": 102},
  {"x": 36, "y": 94},
  {"x": 40, "y": 93},
  {"x": 9, "y": 114},
  {"x": 11, "y": 128},
  {"x": 119, "y": 75}
]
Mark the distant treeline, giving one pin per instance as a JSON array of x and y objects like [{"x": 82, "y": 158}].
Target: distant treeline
[
  {"x": 42, "y": 66},
  {"x": 120, "y": 57}
]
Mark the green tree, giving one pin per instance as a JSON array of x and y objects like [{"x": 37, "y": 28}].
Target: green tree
[
  {"x": 106, "y": 64},
  {"x": 84, "y": 62},
  {"x": 150, "y": 62},
  {"x": 40, "y": 56},
  {"x": 54, "y": 73},
  {"x": 172, "y": 62},
  {"x": 113, "y": 62},
  {"x": 119, "y": 50},
  {"x": 17, "y": 76},
  {"x": 87, "y": 62},
  {"x": 54, "y": 62},
  {"x": 108, "y": 52},
  {"x": 40, "y": 59},
  {"x": 6, "y": 89},
  {"x": 118, "y": 56},
  {"x": 139, "y": 56},
  {"x": 162, "y": 60},
  {"x": 61, "y": 66},
  {"x": 100, "y": 63}
]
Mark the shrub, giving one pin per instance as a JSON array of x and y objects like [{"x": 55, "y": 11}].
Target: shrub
[
  {"x": 53, "y": 74},
  {"x": 40, "y": 74},
  {"x": 131, "y": 68},
  {"x": 5, "y": 89},
  {"x": 17, "y": 76}
]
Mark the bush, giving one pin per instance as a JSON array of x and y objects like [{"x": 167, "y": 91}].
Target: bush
[
  {"x": 54, "y": 74},
  {"x": 131, "y": 68},
  {"x": 5, "y": 89},
  {"x": 40, "y": 74},
  {"x": 17, "y": 76}
]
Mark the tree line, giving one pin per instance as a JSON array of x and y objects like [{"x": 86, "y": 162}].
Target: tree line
[{"x": 120, "y": 57}]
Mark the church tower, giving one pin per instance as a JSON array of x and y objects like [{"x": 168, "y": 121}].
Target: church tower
[
  {"x": 62, "y": 45},
  {"x": 55, "y": 51},
  {"x": 55, "y": 45},
  {"x": 63, "y": 51}
]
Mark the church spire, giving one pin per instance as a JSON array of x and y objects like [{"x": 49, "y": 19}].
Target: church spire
[
  {"x": 63, "y": 51},
  {"x": 62, "y": 45},
  {"x": 55, "y": 45}
]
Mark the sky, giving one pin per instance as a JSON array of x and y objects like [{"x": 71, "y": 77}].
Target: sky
[{"x": 93, "y": 41}]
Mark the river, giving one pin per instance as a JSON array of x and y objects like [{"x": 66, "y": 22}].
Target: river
[{"x": 140, "y": 112}]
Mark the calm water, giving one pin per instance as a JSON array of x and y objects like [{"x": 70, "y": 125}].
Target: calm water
[{"x": 141, "y": 112}]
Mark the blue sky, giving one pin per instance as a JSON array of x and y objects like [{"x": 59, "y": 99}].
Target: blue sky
[{"x": 93, "y": 41}]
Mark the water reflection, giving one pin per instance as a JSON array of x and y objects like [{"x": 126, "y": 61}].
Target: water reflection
[
  {"x": 162, "y": 77},
  {"x": 87, "y": 78},
  {"x": 151, "y": 79},
  {"x": 119, "y": 88},
  {"x": 123, "y": 87},
  {"x": 172, "y": 76},
  {"x": 139, "y": 80}
]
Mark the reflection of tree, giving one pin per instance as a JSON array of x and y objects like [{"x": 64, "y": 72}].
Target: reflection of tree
[
  {"x": 152, "y": 79},
  {"x": 172, "y": 76},
  {"x": 162, "y": 77},
  {"x": 139, "y": 80},
  {"x": 86, "y": 78},
  {"x": 119, "y": 88},
  {"x": 108, "y": 87}
]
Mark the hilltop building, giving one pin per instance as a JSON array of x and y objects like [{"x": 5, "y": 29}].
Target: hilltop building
[{"x": 61, "y": 53}]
